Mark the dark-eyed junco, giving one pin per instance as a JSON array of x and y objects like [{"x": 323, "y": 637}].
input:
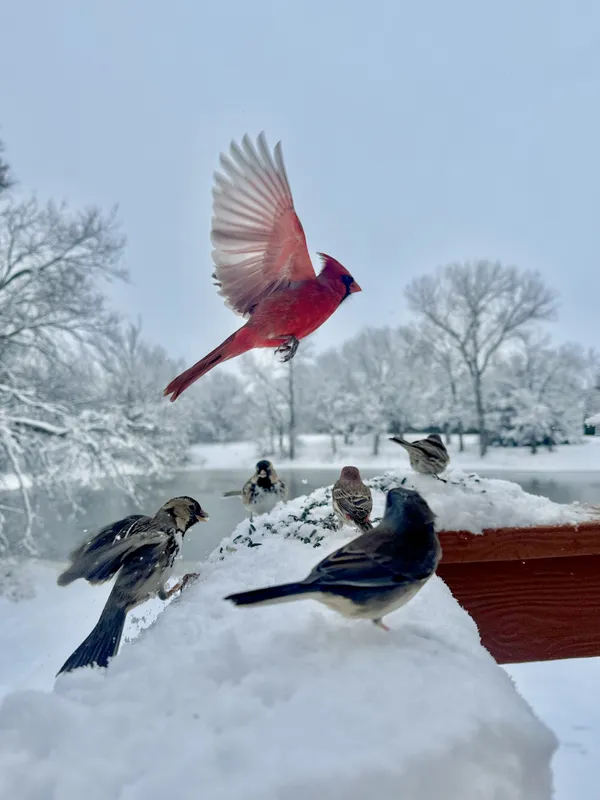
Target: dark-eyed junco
[
  {"x": 352, "y": 500},
  {"x": 142, "y": 551},
  {"x": 261, "y": 493},
  {"x": 373, "y": 574},
  {"x": 427, "y": 456}
]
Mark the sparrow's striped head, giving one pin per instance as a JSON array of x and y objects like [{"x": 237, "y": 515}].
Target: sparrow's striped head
[{"x": 185, "y": 512}]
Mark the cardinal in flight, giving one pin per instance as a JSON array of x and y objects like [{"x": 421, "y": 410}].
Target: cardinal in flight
[{"x": 262, "y": 265}]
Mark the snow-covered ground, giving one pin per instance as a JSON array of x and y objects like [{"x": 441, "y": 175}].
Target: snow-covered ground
[
  {"x": 315, "y": 451},
  {"x": 290, "y": 701},
  {"x": 286, "y": 702}
]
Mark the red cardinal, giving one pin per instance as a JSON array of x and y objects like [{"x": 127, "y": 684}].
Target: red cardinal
[{"x": 262, "y": 266}]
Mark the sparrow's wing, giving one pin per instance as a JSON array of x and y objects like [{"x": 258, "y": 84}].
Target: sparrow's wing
[
  {"x": 354, "y": 502},
  {"x": 248, "y": 489},
  {"x": 433, "y": 448},
  {"x": 373, "y": 563},
  {"x": 99, "y": 559},
  {"x": 108, "y": 535},
  {"x": 147, "y": 562},
  {"x": 258, "y": 239}
]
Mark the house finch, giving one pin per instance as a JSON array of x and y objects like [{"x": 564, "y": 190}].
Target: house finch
[
  {"x": 140, "y": 551},
  {"x": 261, "y": 493},
  {"x": 427, "y": 456},
  {"x": 374, "y": 574},
  {"x": 262, "y": 266},
  {"x": 351, "y": 499}
]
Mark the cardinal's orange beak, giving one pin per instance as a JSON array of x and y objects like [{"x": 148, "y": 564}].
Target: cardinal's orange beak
[{"x": 354, "y": 287}]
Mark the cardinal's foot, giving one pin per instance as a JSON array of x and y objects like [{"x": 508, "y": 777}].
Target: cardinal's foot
[{"x": 287, "y": 350}]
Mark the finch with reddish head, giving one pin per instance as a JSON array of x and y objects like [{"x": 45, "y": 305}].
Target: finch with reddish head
[{"x": 351, "y": 499}]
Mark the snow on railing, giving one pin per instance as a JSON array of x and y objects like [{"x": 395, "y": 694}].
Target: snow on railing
[{"x": 293, "y": 700}]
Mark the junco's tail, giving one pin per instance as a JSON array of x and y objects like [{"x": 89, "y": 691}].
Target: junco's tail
[
  {"x": 272, "y": 594},
  {"x": 103, "y": 641}
]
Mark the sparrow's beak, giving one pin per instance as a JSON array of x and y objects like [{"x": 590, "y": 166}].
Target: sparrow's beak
[
  {"x": 262, "y": 474},
  {"x": 354, "y": 287},
  {"x": 202, "y": 516}
]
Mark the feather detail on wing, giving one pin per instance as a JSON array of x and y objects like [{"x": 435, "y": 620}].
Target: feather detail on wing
[
  {"x": 99, "y": 559},
  {"x": 373, "y": 559},
  {"x": 258, "y": 239}
]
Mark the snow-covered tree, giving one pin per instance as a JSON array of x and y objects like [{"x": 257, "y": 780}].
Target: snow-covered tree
[
  {"x": 538, "y": 392},
  {"x": 5, "y": 179},
  {"x": 478, "y": 307},
  {"x": 335, "y": 405},
  {"x": 219, "y": 408},
  {"x": 80, "y": 396},
  {"x": 380, "y": 374},
  {"x": 133, "y": 376},
  {"x": 278, "y": 394},
  {"x": 447, "y": 400}
]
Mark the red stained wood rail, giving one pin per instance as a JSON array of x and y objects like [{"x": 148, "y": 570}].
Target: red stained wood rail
[{"x": 533, "y": 592}]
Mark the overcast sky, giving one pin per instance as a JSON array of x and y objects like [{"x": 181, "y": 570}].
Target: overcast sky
[{"x": 414, "y": 134}]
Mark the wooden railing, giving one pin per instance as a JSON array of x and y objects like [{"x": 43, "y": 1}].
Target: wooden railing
[{"x": 533, "y": 592}]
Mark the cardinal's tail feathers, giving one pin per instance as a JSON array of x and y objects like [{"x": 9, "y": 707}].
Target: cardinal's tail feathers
[
  {"x": 272, "y": 594},
  {"x": 236, "y": 344},
  {"x": 102, "y": 643}
]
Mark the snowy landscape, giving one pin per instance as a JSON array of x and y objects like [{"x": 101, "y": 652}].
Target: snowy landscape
[
  {"x": 459, "y": 189},
  {"x": 272, "y": 715},
  {"x": 85, "y": 436},
  {"x": 256, "y": 679}
]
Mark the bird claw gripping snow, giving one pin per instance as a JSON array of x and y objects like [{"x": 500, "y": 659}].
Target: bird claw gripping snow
[
  {"x": 287, "y": 350},
  {"x": 190, "y": 577}
]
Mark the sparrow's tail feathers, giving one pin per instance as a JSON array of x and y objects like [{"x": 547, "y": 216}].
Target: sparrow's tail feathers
[
  {"x": 402, "y": 442},
  {"x": 366, "y": 525},
  {"x": 236, "y": 344},
  {"x": 272, "y": 594},
  {"x": 102, "y": 643},
  {"x": 233, "y": 493}
]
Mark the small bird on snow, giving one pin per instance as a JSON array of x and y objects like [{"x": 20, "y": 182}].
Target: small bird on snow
[
  {"x": 373, "y": 574},
  {"x": 352, "y": 500},
  {"x": 262, "y": 491},
  {"x": 140, "y": 551},
  {"x": 427, "y": 456}
]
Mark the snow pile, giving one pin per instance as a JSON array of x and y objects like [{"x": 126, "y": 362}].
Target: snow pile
[
  {"x": 39, "y": 632},
  {"x": 464, "y": 502},
  {"x": 287, "y": 701}
]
